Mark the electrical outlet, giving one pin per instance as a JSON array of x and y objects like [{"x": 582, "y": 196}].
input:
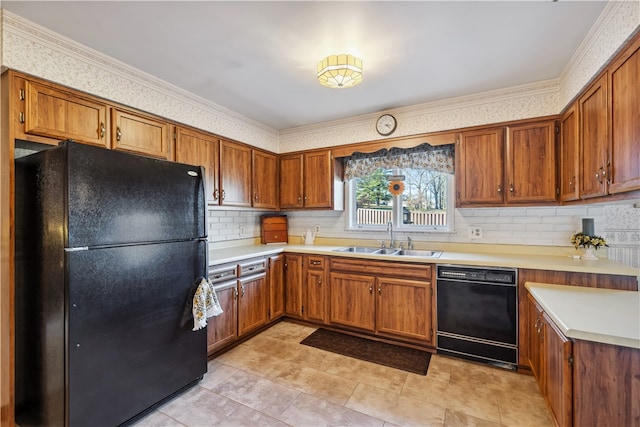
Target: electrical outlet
[
  {"x": 475, "y": 232},
  {"x": 241, "y": 230},
  {"x": 316, "y": 228}
]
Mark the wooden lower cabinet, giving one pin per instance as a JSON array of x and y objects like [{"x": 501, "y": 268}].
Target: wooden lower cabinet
[
  {"x": 315, "y": 285},
  {"x": 397, "y": 302},
  {"x": 275, "y": 266},
  {"x": 584, "y": 383},
  {"x": 253, "y": 298},
  {"x": 293, "y": 305},
  {"x": 222, "y": 330},
  {"x": 404, "y": 308},
  {"x": 352, "y": 300}
]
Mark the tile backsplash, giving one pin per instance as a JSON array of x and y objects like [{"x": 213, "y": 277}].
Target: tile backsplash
[{"x": 618, "y": 223}]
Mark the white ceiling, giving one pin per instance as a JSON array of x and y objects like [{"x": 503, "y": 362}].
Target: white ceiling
[{"x": 259, "y": 58}]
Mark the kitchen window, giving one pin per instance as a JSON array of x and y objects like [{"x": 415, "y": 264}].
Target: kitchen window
[{"x": 412, "y": 188}]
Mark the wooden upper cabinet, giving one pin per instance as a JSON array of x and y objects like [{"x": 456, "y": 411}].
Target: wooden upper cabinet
[
  {"x": 235, "y": 174},
  {"x": 200, "y": 149},
  {"x": 54, "y": 113},
  {"x": 291, "y": 182},
  {"x": 479, "y": 167},
  {"x": 593, "y": 140},
  {"x": 265, "y": 180},
  {"x": 531, "y": 163},
  {"x": 624, "y": 99},
  {"x": 569, "y": 160},
  {"x": 306, "y": 181},
  {"x": 318, "y": 180},
  {"x": 139, "y": 134}
]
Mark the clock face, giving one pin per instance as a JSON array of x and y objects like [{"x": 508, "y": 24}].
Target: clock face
[{"x": 386, "y": 124}]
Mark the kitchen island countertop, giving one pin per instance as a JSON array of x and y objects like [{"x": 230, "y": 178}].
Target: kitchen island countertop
[
  {"x": 516, "y": 260},
  {"x": 591, "y": 314}
]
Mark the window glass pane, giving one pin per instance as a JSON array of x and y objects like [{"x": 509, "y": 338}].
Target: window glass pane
[
  {"x": 373, "y": 199},
  {"x": 425, "y": 198}
]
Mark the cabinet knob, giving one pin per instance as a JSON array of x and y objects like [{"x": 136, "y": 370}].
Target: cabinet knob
[
  {"x": 102, "y": 130},
  {"x": 255, "y": 197},
  {"x": 118, "y": 134},
  {"x": 511, "y": 188},
  {"x": 319, "y": 282},
  {"x": 499, "y": 188}
]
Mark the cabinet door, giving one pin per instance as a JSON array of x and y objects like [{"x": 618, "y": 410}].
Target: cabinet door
[
  {"x": 315, "y": 285},
  {"x": 352, "y": 300},
  {"x": 594, "y": 140},
  {"x": 58, "y": 114},
  {"x": 265, "y": 180},
  {"x": 318, "y": 180},
  {"x": 293, "y": 285},
  {"x": 569, "y": 155},
  {"x": 235, "y": 174},
  {"x": 195, "y": 148},
  {"x": 253, "y": 301},
  {"x": 276, "y": 286},
  {"x": 479, "y": 167},
  {"x": 624, "y": 99},
  {"x": 404, "y": 308},
  {"x": 535, "y": 338},
  {"x": 558, "y": 373},
  {"x": 223, "y": 329},
  {"x": 531, "y": 163},
  {"x": 291, "y": 183},
  {"x": 139, "y": 134}
]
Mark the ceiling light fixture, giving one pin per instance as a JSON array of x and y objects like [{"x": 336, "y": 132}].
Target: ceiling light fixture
[{"x": 340, "y": 71}]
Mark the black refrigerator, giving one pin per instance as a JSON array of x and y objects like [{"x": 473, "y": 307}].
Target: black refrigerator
[{"x": 109, "y": 246}]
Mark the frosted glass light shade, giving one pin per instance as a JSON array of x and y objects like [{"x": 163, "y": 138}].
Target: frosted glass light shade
[{"x": 340, "y": 71}]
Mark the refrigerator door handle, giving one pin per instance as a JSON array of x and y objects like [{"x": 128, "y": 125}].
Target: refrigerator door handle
[{"x": 77, "y": 248}]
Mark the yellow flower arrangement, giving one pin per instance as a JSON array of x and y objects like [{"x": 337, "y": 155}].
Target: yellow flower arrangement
[{"x": 586, "y": 241}]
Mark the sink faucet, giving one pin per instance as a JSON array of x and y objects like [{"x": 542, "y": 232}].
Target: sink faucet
[
  {"x": 409, "y": 243},
  {"x": 392, "y": 243}
]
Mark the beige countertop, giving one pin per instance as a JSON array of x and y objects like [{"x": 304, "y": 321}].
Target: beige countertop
[
  {"x": 518, "y": 259},
  {"x": 600, "y": 315}
]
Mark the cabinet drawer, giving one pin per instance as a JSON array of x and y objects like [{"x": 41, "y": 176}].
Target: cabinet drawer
[
  {"x": 382, "y": 268},
  {"x": 316, "y": 262},
  {"x": 223, "y": 272},
  {"x": 274, "y": 227},
  {"x": 252, "y": 266}
]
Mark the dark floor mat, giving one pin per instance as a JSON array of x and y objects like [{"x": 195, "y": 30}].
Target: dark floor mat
[{"x": 407, "y": 359}]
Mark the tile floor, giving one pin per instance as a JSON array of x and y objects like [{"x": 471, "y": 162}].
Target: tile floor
[{"x": 272, "y": 380}]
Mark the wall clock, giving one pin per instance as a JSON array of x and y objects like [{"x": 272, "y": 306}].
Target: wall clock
[{"x": 386, "y": 124}]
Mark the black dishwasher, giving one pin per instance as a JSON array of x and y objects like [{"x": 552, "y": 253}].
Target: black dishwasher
[{"x": 477, "y": 312}]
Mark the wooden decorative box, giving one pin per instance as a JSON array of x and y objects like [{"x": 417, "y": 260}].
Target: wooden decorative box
[{"x": 274, "y": 229}]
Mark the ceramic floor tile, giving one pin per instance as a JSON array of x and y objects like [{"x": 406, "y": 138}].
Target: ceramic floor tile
[
  {"x": 523, "y": 409},
  {"x": 216, "y": 373},
  {"x": 157, "y": 419},
  {"x": 472, "y": 399},
  {"x": 368, "y": 373},
  {"x": 257, "y": 393},
  {"x": 311, "y": 411},
  {"x": 320, "y": 384},
  {"x": 395, "y": 408},
  {"x": 200, "y": 407},
  {"x": 460, "y": 419}
]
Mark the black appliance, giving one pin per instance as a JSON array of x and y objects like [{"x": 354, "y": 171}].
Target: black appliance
[
  {"x": 109, "y": 246},
  {"x": 477, "y": 312}
]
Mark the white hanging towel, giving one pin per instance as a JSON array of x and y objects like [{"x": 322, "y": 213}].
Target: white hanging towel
[{"x": 205, "y": 304}]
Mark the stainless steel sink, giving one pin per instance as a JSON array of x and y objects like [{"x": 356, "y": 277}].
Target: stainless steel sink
[
  {"x": 387, "y": 251},
  {"x": 419, "y": 253},
  {"x": 358, "y": 250}
]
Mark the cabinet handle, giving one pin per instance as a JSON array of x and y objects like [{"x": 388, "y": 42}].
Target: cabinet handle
[
  {"x": 255, "y": 197},
  {"x": 299, "y": 199},
  {"x": 379, "y": 290},
  {"x": 315, "y": 262},
  {"x": 222, "y": 194},
  {"x": 537, "y": 323},
  {"x": 319, "y": 282},
  {"x": 242, "y": 287},
  {"x": 21, "y": 94},
  {"x": 118, "y": 134},
  {"x": 511, "y": 188},
  {"x": 216, "y": 193},
  {"x": 370, "y": 289},
  {"x": 499, "y": 188},
  {"x": 235, "y": 293},
  {"x": 102, "y": 130},
  {"x": 21, "y": 117}
]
